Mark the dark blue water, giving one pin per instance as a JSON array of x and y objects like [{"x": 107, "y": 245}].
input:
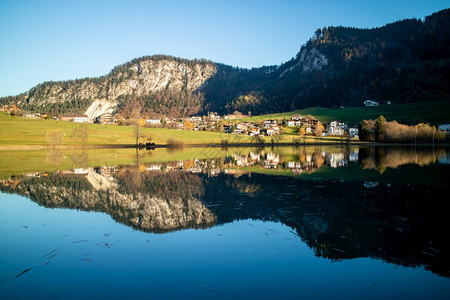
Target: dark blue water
[
  {"x": 99, "y": 258},
  {"x": 170, "y": 233}
]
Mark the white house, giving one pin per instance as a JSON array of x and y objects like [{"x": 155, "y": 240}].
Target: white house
[
  {"x": 370, "y": 103},
  {"x": 214, "y": 117},
  {"x": 270, "y": 131},
  {"x": 270, "y": 123},
  {"x": 297, "y": 117},
  {"x": 337, "y": 128},
  {"x": 153, "y": 121},
  {"x": 291, "y": 123},
  {"x": 353, "y": 132},
  {"x": 81, "y": 119},
  {"x": 254, "y": 131}
]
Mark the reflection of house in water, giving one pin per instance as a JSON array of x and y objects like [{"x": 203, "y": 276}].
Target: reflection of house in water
[
  {"x": 153, "y": 168},
  {"x": 272, "y": 161},
  {"x": 241, "y": 160},
  {"x": 78, "y": 171},
  {"x": 106, "y": 171},
  {"x": 308, "y": 162},
  {"x": 255, "y": 157},
  {"x": 81, "y": 171},
  {"x": 298, "y": 168},
  {"x": 336, "y": 160},
  {"x": 353, "y": 155}
]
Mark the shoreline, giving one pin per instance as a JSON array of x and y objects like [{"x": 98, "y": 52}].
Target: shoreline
[{"x": 211, "y": 145}]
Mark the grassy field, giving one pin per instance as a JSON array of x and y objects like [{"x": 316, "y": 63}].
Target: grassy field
[
  {"x": 23, "y": 131},
  {"x": 28, "y": 133},
  {"x": 434, "y": 113}
]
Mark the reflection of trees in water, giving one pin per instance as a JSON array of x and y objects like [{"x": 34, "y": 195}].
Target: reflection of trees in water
[
  {"x": 406, "y": 225},
  {"x": 380, "y": 158},
  {"x": 80, "y": 159},
  {"x": 54, "y": 156},
  {"x": 246, "y": 187}
]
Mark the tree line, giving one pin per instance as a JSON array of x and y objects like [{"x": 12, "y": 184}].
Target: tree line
[{"x": 380, "y": 130}]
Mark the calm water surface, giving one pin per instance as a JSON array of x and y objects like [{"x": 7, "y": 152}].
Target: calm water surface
[{"x": 326, "y": 223}]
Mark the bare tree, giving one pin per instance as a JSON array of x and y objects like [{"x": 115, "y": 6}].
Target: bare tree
[
  {"x": 80, "y": 134},
  {"x": 54, "y": 138}
]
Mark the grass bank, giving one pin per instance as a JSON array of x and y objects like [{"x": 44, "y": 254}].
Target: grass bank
[
  {"x": 18, "y": 131},
  {"x": 435, "y": 113},
  {"x": 23, "y": 134}
]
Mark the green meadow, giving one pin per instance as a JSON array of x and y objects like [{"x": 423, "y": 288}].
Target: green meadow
[
  {"x": 435, "y": 113},
  {"x": 25, "y": 133},
  {"x": 18, "y": 131}
]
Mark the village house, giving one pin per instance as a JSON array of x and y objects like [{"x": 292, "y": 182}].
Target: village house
[
  {"x": 254, "y": 131},
  {"x": 81, "y": 119},
  {"x": 241, "y": 127},
  {"x": 277, "y": 129},
  {"x": 310, "y": 121},
  {"x": 337, "y": 128},
  {"x": 270, "y": 123},
  {"x": 270, "y": 131},
  {"x": 31, "y": 115},
  {"x": 297, "y": 117},
  {"x": 153, "y": 121},
  {"x": 291, "y": 123},
  {"x": 74, "y": 118},
  {"x": 105, "y": 118},
  {"x": 214, "y": 117},
  {"x": 353, "y": 132},
  {"x": 195, "y": 119}
]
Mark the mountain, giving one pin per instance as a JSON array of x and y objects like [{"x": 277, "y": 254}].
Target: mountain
[{"x": 406, "y": 61}]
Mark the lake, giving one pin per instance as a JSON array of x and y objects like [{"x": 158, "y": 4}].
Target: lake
[{"x": 333, "y": 222}]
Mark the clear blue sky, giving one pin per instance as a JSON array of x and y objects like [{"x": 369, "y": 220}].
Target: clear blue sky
[{"x": 60, "y": 40}]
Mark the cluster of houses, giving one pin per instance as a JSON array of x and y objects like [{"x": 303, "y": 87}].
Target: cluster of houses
[
  {"x": 228, "y": 124},
  {"x": 231, "y": 125}
]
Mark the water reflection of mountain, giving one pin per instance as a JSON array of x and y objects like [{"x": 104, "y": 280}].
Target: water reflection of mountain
[
  {"x": 339, "y": 219},
  {"x": 153, "y": 203}
]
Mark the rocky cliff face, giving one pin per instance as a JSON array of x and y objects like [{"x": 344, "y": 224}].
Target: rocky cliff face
[{"x": 139, "y": 77}]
